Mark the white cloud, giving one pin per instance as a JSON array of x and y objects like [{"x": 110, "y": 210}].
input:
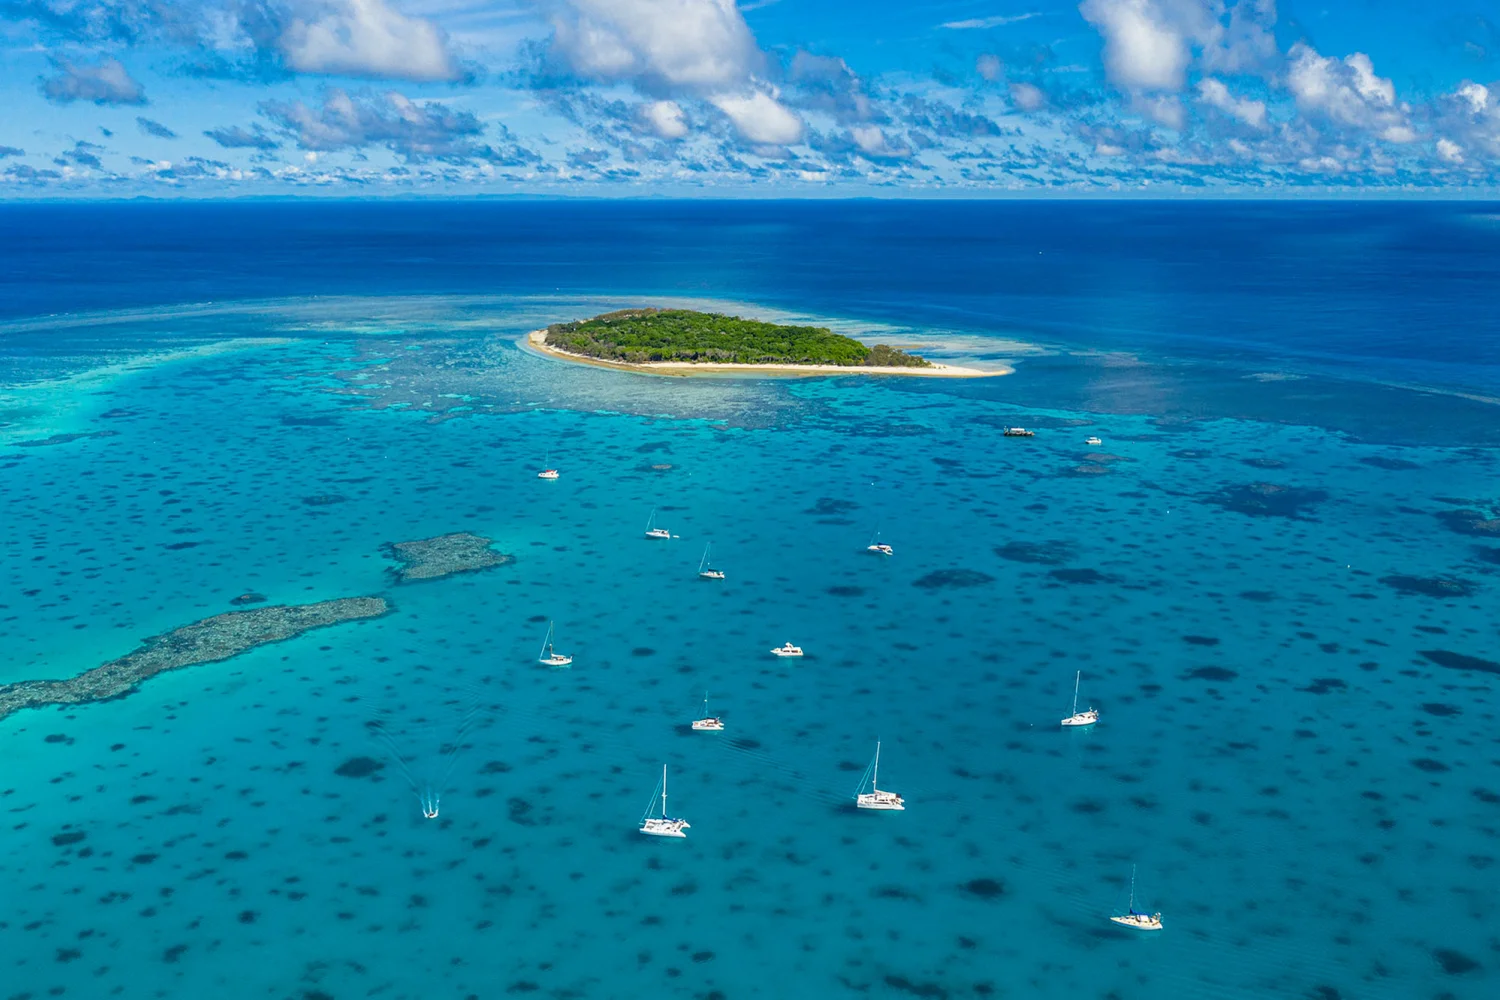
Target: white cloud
[
  {"x": 365, "y": 38},
  {"x": 1346, "y": 92},
  {"x": 872, "y": 142},
  {"x": 1143, "y": 49},
  {"x": 989, "y": 66},
  {"x": 1215, "y": 94},
  {"x": 1164, "y": 109},
  {"x": 760, "y": 118},
  {"x": 989, "y": 22},
  {"x": 104, "y": 82},
  {"x": 703, "y": 45},
  {"x": 665, "y": 119},
  {"x": 1477, "y": 95},
  {"x": 1450, "y": 151},
  {"x": 1027, "y": 97}
]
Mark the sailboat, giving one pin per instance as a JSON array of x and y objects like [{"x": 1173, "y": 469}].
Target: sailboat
[
  {"x": 662, "y": 825},
  {"x": 878, "y": 547},
  {"x": 548, "y": 472},
  {"x": 652, "y": 531},
  {"x": 1134, "y": 918},
  {"x": 705, "y": 571},
  {"x": 875, "y": 798},
  {"x": 550, "y": 657},
  {"x": 709, "y": 723},
  {"x": 1078, "y": 718}
]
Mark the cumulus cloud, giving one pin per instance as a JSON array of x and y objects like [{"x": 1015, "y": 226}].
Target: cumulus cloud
[
  {"x": 154, "y": 128},
  {"x": 1027, "y": 96},
  {"x": 414, "y": 131},
  {"x": 239, "y": 137},
  {"x": 360, "y": 38},
  {"x": 11, "y": 151},
  {"x": 674, "y": 49},
  {"x": 1450, "y": 151},
  {"x": 760, "y": 118},
  {"x": 828, "y": 84},
  {"x": 83, "y": 154},
  {"x": 989, "y": 67},
  {"x": 1150, "y": 44},
  {"x": 1215, "y": 94},
  {"x": 104, "y": 82},
  {"x": 365, "y": 38},
  {"x": 665, "y": 119},
  {"x": 1469, "y": 119},
  {"x": 1346, "y": 92}
]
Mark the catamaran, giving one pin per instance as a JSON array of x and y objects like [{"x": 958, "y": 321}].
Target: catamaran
[
  {"x": 1134, "y": 918},
  {"x": 875, "y": 798},
  {"x": 878, "y": 547},
  {"x": 662, "y": 825},
  {"x": 709, "y": 723},
  {"x": 705, "y": 571},
  {"x": 1093, "y": 442},
  {"x": 549, "y": 472},
  {"x": 787, "y": 650},
  {"x": 550, "y": 657},
  {"x": 1078, "y": 718},
  {"x": 652, "y": 531}
]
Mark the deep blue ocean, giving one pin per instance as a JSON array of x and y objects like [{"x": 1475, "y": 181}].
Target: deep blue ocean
[{"x": 1279, "y": 575}]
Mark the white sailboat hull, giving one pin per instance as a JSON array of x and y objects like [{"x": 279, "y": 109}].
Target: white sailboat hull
[
  {"x": 555, "y": 661},
  {"x": 877, "y": 799},
  {"x": 547, "y": 474},
  {"x": 665, "y": 828},
  {"x": 1139, "y": 921},
  {"x": 658, "y": 533},
  {"x": 708, "y": 725},
  {"x": 1082, "y": 719}
]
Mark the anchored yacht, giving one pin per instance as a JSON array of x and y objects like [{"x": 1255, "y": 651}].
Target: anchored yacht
[
  {"x": 705, "y": 571},
  {"x": 652, "y": 531},
  {"x": 875, "y": 798},
  {"x": 1086, "y": 718},
  {"x": 1093, "y": 442},
  {"x": 787, "y": 650},
  {"x": 1019, "y": 432},
  {"x": 878, "y": 547},
  {"x": 1133, "y": 918},
  {"x": 547, "y": 474},
  {"x": 709, "y": 723},
  {"x": 550, "y": 657},
  {"x": 662, "y": 825}
]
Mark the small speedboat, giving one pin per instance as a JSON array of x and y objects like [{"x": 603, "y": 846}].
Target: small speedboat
[
  {"x": 875, "y": 798},
  {"x": 787, "y": 650},
  {"x": 1093, "y": 442}
]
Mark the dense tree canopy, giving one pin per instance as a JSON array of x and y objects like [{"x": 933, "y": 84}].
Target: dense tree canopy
[{"x": 645, "y": 335}]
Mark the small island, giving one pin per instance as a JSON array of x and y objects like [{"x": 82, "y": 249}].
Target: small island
[
  {"x": 683, "y": 341},
  {"x": 207, "y": 641}
]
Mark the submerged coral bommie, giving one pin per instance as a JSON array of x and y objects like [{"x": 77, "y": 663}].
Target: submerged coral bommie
[
  {"x": 434, "y": 558},
  {"x": 206, "y": 641}
]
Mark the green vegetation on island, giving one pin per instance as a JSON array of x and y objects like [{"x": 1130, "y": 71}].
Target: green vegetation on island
[{"x": 641, "y": 336}]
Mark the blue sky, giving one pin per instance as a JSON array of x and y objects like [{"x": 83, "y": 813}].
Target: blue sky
[{"x": 762, "y": 98}]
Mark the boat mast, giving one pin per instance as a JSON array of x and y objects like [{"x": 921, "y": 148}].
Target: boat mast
[
  {"x": 1076, "y": 678},
  {"x": 1132, "y": 871},
  {"x": 875, "y": 778},
  {"x": 664, "y": 816}
]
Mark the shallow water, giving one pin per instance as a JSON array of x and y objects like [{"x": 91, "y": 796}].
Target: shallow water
[{"x": 1248, "y": 573}]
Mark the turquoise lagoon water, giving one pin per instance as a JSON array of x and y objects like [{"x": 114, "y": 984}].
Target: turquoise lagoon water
[{"x": 1310, "y": 800}]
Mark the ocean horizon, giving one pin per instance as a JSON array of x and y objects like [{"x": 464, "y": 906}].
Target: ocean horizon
[{"x": 1274, "y": 576}]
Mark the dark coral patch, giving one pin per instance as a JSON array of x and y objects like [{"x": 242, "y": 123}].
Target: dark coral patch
[
  {"x": 1430, "y": 586},
  {"x": 1381, "y": 462},
  {"x": 1323, "y": 685},
  {"x": 1085, "y": 575},
  {"x": 1258, "y": 596},
  {"x": 828, "y": 506},
  {"x": 1264, "y": 463},
  {"x": 643, "y": 651},
  {"x": 1200, "y": 640},
  {"x": 1429, "y": 765},
  {"x": 71, "y": 837},
  {"x": 1486, "y": 554},
  {"x": 984, "y": 888},
  {"x": 1470, "y": 522},
  {"x": 1267, "y": 500},
  {"x": 249, "y": 597},
  {"x": 953, "y": 578},
  {"x": 1458, "y": 661},
  {"x": 1209, "y": 674},
  {"x": 1438, "y": 708},
  {"x": 1455, "y": 963},
  {"x": 358, "y": 767},
  {"x": 1050, "y": 553},
  {"x": 323, "y": 499},
  {"x": 846, "y": 591}
]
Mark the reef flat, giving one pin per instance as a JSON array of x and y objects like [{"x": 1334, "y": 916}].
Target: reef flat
[
  {"x": 434, "y": 558},
  {"x": 206, "y": 641}
]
